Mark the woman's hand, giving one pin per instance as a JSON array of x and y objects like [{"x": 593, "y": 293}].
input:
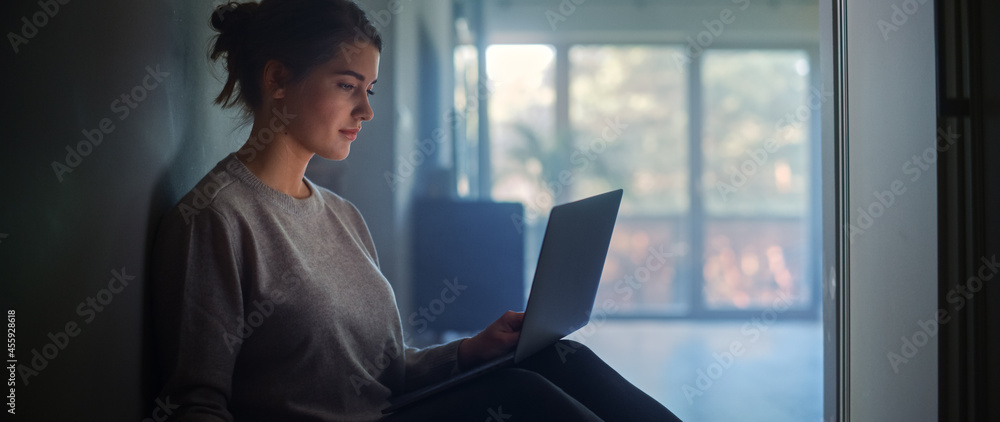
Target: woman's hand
[{"x": 496, "y": 340}]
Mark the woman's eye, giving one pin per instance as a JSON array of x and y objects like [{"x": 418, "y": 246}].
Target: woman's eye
[
  {"x": 370, "y": 92},
  {"x": 347, "y": 87}
]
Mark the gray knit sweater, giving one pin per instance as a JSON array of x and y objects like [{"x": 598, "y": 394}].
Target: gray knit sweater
[{"x": 268, "y": 307}]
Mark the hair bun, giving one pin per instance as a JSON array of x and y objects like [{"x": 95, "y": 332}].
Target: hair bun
[{"x": 232, "y": 17}]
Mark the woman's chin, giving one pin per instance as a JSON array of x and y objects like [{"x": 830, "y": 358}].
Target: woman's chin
[{"x": 335, "y": 155}]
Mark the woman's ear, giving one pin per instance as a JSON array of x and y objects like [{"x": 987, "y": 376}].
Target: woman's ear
[{"x": 276, "y": 78}]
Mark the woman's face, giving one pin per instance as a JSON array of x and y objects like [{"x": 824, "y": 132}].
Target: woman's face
[{"x": 327, "y": 107}]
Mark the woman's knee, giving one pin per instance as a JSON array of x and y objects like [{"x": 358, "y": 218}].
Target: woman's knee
[
  {"x": 569, "y": 349},
  {"x": 527, "y": 385},
  {"x": 531, "y": 396},
  {"x": 575, "y": 345},
  {"x": 519, "y": 377}
]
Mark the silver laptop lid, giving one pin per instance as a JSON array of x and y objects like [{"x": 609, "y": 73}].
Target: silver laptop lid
[{"x": 569, "y": 269}]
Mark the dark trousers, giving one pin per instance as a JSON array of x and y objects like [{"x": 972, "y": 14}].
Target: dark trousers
[{"x": 565, "y": 382}]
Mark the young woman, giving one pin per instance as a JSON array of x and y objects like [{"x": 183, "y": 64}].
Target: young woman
[{"x": 267, "y": 296}]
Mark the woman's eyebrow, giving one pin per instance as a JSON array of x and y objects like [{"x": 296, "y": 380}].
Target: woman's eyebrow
[{"x": 357, "y": 75}]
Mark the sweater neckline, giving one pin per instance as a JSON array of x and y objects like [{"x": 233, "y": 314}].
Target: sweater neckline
[{"x": 304, "y": 206}]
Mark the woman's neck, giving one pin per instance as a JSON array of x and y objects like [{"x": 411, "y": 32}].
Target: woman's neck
[{"x": 280, "y": 163}]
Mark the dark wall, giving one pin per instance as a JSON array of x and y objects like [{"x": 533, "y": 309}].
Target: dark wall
[
  {"x": 990, "y": 67},
  {"x": 64, "y": 235}
]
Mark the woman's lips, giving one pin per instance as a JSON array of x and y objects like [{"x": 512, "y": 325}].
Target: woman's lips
[{"x": 351, "y": 134}]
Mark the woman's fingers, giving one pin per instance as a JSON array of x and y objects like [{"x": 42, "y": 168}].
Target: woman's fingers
[{"x": 513, "y": 320}]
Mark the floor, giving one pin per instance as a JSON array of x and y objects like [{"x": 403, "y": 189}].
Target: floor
[{"x": 719, "y": 371}]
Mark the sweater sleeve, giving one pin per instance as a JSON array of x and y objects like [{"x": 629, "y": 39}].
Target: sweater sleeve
[
  {"x": 431, "y": 365},
  {"x": 197, "y": 308}
]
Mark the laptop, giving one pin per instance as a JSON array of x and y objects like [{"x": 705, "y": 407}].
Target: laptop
[{"x": 569, "y": 269}]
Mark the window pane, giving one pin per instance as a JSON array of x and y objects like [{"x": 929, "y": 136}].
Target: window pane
[
  {"x": 630, "y": 123},
  {"x": 467, "y": 96},
  {"x": 751, "y": 264},
  {"x": 522, "y": 123},
  {"x": 756, "y": 178},
  {"x": 629, "y": 120},
  {"x": 755, "y": 134},
  {"x": 644, "y": 262}
]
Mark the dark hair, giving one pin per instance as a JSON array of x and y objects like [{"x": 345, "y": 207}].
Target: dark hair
[{"x": 298, "y": 33}]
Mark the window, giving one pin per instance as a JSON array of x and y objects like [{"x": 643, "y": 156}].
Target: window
[{"x": 714, "y": 154}]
